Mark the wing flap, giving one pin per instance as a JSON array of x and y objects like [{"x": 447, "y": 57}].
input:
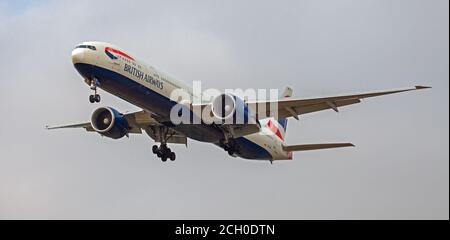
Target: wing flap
[
  {"x": 295, "y": 107},
  {"x": 305, "y": 102},
  {"x": 173, "y": 136},
  {"x": 284, "y": 113}
]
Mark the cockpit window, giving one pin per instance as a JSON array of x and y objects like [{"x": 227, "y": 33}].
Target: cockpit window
[{"x": 86, "y": 46}]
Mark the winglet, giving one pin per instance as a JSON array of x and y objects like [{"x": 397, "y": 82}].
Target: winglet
[
  {"x": 422, "y": 87},
  {"x": 47, "y": 127}
]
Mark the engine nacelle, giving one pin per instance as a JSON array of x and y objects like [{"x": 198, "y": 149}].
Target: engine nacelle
[
  {"x": 231, "y": 110},
  {"x": 109, "y": 122}
]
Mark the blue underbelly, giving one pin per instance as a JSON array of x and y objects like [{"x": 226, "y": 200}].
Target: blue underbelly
[{"x": 143, "y": 97}]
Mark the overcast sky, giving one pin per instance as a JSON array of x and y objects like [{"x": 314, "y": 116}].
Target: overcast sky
[{"x": 399, "y": 169}]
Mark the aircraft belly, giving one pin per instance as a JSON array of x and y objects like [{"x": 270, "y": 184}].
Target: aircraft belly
[
  {"x": 141, "y": 96},
  {"x": 251, "y": 150},
  {"x": 200, "y": 132}
]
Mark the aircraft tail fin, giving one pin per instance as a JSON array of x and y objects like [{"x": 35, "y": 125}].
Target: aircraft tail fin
[{"x": 287, "y": 93}]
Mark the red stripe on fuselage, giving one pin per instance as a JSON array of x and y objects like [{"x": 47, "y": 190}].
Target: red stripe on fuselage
[
  {"x": 274, "y": 129},
  {"x": 119, "y": 52}
]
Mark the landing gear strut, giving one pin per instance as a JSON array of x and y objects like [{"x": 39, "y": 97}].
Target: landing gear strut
[
  {"x": 163, "y": 152},
  {"x": 94, "y": 97},
  {"x": 229, "y": 150},
  {"x": 229, "y": 147}
]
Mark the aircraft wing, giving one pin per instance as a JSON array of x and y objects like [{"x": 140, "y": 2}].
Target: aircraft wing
[
  {"x": 295, "y": 107},
  {"x": 86, "y": 126},
  {"x": 137, "y": 122}
]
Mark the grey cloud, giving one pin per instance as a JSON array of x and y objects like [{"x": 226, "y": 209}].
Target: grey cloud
[{"x": 399, "y": 168}]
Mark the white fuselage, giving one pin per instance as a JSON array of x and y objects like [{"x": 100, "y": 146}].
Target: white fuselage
[{"x": 144, "y": 86}]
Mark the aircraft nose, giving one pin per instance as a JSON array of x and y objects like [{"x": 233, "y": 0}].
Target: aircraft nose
[{"x": 78, "y": 55}]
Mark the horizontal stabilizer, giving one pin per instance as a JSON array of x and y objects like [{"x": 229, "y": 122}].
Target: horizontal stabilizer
[{"x": 307, "y": 147}]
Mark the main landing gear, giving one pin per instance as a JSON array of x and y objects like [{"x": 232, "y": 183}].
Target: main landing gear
[
  {"x": 230, "y": 150},
  {"x": 162, "y": 136},
  {"x": 163, "y": 152},
  {"x": 94, "y": 97},
  {"x": 230, "y": 147}
]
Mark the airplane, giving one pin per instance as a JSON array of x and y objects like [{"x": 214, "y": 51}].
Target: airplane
[{"x": 258, "y": 137}]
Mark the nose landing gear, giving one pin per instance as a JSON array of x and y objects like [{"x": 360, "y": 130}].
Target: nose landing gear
[
  {"x": 163, "y": 152},
  {"x": 94, "y": 97}
]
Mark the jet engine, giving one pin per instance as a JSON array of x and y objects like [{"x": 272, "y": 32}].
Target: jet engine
[
  {"x": 231, "y": 109},
  {"x": 109, "y": 122}
]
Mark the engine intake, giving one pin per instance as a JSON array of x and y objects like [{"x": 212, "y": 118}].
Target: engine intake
[
  {"x": 109, "y": 122},
  {"x": 231, "y": 110}
]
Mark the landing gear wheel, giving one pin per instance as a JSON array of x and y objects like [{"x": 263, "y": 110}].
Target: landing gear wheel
[
  {"x": 230, "y": 152},
  {"x": 155, "y": 149},
  {"x": 162, "y": 151},
  {"x": 172, "y": 156},
  {"x": 92, "y": 98},
  {"x": 230, "y": 147},
  {"x": 97, "y": 98}
]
